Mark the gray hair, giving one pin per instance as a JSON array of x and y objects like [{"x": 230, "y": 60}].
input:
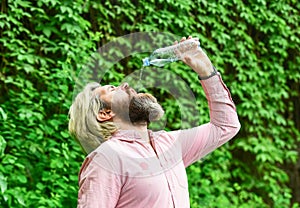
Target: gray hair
[{"x": 83, "y": 124}]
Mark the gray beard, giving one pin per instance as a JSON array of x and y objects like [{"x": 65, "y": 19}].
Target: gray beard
[
  {"x": 141, "y": 108},
  {"x": 144, "y": 108}
]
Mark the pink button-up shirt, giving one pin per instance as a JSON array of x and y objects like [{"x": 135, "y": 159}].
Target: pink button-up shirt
[{"x": 126, "y": 171}]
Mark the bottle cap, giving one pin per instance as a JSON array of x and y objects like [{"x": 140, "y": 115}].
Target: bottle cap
[{"x": 146, "y": 62}]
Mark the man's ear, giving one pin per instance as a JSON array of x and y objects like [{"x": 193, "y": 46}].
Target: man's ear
[{"x": 105, "y": 115}]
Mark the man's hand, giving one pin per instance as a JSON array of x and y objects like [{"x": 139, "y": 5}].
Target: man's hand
[{"x": 196, "y": 59}]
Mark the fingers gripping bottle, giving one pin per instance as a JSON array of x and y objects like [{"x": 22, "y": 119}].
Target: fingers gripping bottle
[{"x": 163, "y": 56}]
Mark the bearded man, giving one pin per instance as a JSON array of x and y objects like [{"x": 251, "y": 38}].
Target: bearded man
[{"x": 130, "y": 166}]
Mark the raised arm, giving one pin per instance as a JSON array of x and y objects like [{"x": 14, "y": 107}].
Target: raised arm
[{"x": 224, "y": 124}]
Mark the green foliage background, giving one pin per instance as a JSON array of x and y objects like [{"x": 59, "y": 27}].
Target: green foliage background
[{"x": 254, "y": 44}]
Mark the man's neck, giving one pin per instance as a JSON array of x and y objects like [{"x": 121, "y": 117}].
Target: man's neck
[{"x": 141, "y": 128}]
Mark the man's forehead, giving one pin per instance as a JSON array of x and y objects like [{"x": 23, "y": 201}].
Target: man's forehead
[
  {"x": 102, "y": 90},
  {"x": 99, "y": 90}
]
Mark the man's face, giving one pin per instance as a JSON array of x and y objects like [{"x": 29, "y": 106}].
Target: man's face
[
  {"x": 111, "y": 94},
  {"x": 129, "y": 105}
]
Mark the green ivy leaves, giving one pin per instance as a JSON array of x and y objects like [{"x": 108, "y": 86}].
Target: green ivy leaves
[{"x": 255, "y": 45}]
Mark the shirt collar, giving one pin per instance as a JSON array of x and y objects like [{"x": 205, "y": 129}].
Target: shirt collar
[{"x": 129, "y": 135}]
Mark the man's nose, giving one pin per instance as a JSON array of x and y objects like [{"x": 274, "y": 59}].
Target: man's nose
[{"x": 124, "y": 86}]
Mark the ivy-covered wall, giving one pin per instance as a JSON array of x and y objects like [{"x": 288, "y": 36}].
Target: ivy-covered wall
[{"x": 45, "y": 44}]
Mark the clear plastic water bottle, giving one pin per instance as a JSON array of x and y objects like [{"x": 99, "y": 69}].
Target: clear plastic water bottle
[{"x": 163, "y": 56}]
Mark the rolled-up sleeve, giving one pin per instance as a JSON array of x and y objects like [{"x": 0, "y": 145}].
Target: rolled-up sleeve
[
  {"x": 224, "y": 124},
  {"x": 98, "y": 186}
]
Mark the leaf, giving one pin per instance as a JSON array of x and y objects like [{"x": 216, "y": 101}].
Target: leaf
[
  {"x": 47, "y": 31},
  {"x": 2, "y": 146},
  {"x": 3, "y": 183},
  {"x": 3, "y": 114}
]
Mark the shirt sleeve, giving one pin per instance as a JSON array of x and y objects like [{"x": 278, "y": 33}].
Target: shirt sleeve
[
  {"x": 98, "y": 186},
  {"x": 224, "y": 124}
]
